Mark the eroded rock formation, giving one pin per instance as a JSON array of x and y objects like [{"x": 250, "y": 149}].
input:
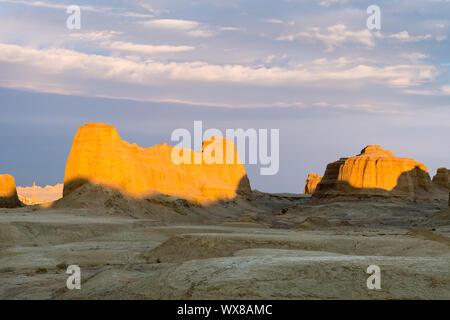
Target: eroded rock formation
[
  {"x": 375, "y": 173},
  {"x": 8, "y": 192},
  {"x": 311, "y": 183},
  {"x": 442, "y": 178},
  {"x": 39, "y": 195},
  {"x": 100, "y": 156}
]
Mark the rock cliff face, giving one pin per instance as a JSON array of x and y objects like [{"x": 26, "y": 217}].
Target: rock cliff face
[
  {"x": 442, "y": 178},
  {"x": 311, "y": 183},
  {"x": 100, "y": 156},
  {"x": 8, "y": 193},
  {"x": 375, "y": 173}
]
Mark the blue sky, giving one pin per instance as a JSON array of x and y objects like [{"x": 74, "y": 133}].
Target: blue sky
[{"x": 309, "y": 68}]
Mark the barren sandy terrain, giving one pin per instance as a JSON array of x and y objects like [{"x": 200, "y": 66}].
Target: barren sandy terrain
[{"x": 267, "y": 247}]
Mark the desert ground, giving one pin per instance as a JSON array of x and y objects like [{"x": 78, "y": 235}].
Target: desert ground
[{"x": 265, "y": 246}]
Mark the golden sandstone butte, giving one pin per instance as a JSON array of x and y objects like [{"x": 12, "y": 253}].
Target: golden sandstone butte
[
  {"x": 8, "y": 192},
  {"x": 311, "y": 183},
  {"x": 375, "y": 173},
  {"x": 100, "y": 156}
]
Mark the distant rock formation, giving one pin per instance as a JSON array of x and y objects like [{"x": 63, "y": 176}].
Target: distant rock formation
[
  {"x": 40, "y": 195},
  {"x": 442, "y": 178},
  {"x": 375, "y": 173},
  {"x": 8, "y": 192},
  {"x": 311, "y": 183},
  {"x": 100, "y": 156}
]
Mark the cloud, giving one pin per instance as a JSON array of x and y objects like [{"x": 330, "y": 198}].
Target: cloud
[
  {"x": 50, "y": 5},
  {"x": 105, "y": 36},
  {"x": 136, "y": 15},
  {"x": 40, "y": 87},
  {"x": 419, "y": 92},
  {"x": 54, "y": 89},
  {"x": 269, "y": 59},
  {"x": 442, "y": 91},
  {"x": 405, "y": 37},
  {"x": 95, "y": 35},
  {"x": 327, "y": 3},
  {"x": 173, "y": 24},
  {"x": 445, "y": 89},
  {"x": 321, "y": 104},
  {"x": 146, "y": 72},
  {"x": 413, "y": 56},
  {"x": 323, "y": 3},
  {"x": 148, "y": 7},
  {"x": 191, "y": 28},
  {"x": 146, "y": 49},
  {"x": 200, "y": 33},
  {"x": 333, "y": 36},
  {"x": 230, "y": 29},
  {"x": 339, "y": 34},
  {"x": 279, "y": 21},
  {"x": 276, "y": 21},
  {"x": 297, "y": 104}
]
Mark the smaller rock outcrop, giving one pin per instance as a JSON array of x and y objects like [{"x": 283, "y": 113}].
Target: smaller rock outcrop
[
  {"x": 311, "y": 183},
  {"x": 8, "y": 192},
  {"x": 375, "y": 173},
  {"x": 442, "y": 178}
]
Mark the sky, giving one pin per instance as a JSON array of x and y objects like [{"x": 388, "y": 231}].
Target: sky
[{"x": 310, "y": 68}]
